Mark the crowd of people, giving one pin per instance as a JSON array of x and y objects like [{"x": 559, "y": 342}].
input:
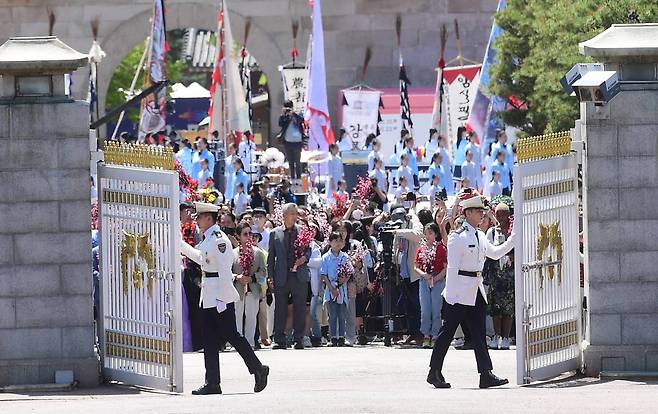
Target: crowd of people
[{"x": 308, "y": 267}]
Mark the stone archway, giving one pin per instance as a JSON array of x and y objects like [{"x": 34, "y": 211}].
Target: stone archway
[{"x": 118, "y": 43}]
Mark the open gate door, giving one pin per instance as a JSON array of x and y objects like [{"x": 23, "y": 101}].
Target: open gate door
[
  {"x": 547, "y": 280},
  {"x": 140, "y": 329}
]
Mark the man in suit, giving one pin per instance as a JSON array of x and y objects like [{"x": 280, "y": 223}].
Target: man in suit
[
  {"x": 215, "y": 256},
  {"x": 291, "y": 278},
  {"x": 465, "y": 297}
]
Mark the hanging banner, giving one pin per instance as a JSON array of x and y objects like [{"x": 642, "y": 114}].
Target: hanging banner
[
  {"x": 295, "y": 81},
  {"x": 360, "y": 114},
  {"x": 460, "y": 85}
]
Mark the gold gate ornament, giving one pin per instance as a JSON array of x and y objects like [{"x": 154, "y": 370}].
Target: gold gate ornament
[
  {"x": 137, "y": 246},
  {"x": 549, "y": 238}
]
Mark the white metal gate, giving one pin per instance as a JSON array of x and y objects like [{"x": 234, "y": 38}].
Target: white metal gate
[
  {"x": 547, "y": 288},
  {"x": 140, "y": 329}
]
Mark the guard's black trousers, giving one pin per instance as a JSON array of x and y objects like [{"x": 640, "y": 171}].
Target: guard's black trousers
[
  {"x": 474, "y": 318},
  {"x": 219, "y": 328}
]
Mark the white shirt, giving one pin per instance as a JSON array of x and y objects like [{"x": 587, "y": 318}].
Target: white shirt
[
  {"x": 184, "y": 157},
  {"x": 215, "y": 255},
  {"x": 265, "y": 242},
  {"x": 466, "y": 251},
  {"x": 241, "y": 202},
  {"x": 203, "y": 176},
  {"x": 492, "y": 189},
  {"x": 245, "y": 152},
  {"x": 434, "y": 192},
  {"x": 405, "y": 172},
  {"x": 472, "y": 171},
  {"x": 335, "y": 167},
  {"x": 399, "y": 192},
  {"x": 371, "y": 159},
  {"x": 430, "y": 149},
  {"x": 345, "y": 144},
  {"x": 380, "y": 175}
]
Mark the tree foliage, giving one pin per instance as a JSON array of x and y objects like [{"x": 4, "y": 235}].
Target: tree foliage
[
  {"x": 539, "y": 44},
  {"x": 124, "y": 74}
]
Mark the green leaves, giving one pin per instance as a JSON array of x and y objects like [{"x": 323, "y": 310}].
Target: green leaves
[{"x": 540, "y": 44}]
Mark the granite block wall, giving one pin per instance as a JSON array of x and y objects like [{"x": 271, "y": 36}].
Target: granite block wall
[{"x": 46, "y": 315}]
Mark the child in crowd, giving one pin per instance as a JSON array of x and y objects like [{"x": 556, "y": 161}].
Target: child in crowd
[
  {"x": 435, "y": 192},
  {"x": 335, "y": 170},
  {"x": 405, "y": 171},
  {"x": 204, "y": 174},
  {"x": 494, "y": 187},
  {"x": 379, "y": 173},
  {"x": 402, "y": 190},
  {"x": 335, "y": 271},
  {"x": 240, "y": 199}
]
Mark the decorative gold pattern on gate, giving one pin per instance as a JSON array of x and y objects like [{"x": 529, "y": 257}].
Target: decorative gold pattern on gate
[
  {"x": 548, "y": 190},
  {"x": 543, "y": 146},
  {"x": 553, "y": 338},
  {"x": 549, "y": 237},
  {"x": 137, "y": 246},
  {"x": 140, "y": 348},
  {"x": 138, "y": 155},
  {"x": 119, "y": 197}
]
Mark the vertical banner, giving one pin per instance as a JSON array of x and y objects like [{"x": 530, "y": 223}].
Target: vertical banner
[
  {"x": 460, "y": 85},
  {"x": 295, "y": 82},
  {"x": 237, "y": 106},
  {"x": 360, "y": 114},
  {"x": 154, "y": 112}
]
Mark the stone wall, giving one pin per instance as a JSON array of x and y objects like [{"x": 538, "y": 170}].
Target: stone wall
[
  {"x": 622, "y": 150},
  {"x": 350, "y": 26},
  {"x": 46, "y": 318}
]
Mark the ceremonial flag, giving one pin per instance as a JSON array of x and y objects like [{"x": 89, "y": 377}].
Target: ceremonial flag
[
  {"x": 405, "y": 108},
  {"x": 317, "y": 109},
  {"x": 245, "y": 72},
  {"x": 361, "y": 114},
  {"x": 154, "y": 113},
  {"x": 482, "y": 119},
  {"x": 295, "y": 84},
  {"x": 460, "y": 84},
  {"x": 228, "y": 57},
  {"x": 96, "y": 55},
  {"x": 437, "y": 109}
]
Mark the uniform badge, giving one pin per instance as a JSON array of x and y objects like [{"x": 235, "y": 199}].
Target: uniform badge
[{"x": 221, "y": 247}]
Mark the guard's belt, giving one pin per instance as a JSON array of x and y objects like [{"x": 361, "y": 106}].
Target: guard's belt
[
  {"x": 206, "y": 274},
  {"x": 469, "y": 274}
]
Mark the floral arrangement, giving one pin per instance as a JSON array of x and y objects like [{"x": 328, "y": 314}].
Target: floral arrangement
[
  {"x": 210, "y": 183},
  {"x": 427, "y": 255},
  {"x": 188, "y": 230},
  {"x": 94, "y": 215},
  {"x": 186, "y": 184},
  {"x": 345, "y": 271},
  {"x": 208, "y": 195},
  {"x": 246, "y": 256},
  {"x": 363, "y": 189},
  {"x": 277, "y": 209},
  {"x": 341, "y": 205},
  {"x": 376, "y": 288},
  {"x": 303, "y": 243},
  {"x": 358, "y": 253}
]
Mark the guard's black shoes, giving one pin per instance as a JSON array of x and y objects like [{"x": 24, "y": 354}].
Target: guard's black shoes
[
  {"x": 435, "y": 378},
  {"x": 279, "y": 345},
  {"x": 488, "y": 379},
  {"x": 208, "y": 389},
  {"x": 261, "y": 378}
]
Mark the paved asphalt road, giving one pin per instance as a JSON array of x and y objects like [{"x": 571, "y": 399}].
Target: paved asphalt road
[{"x": 373, "y": 379}]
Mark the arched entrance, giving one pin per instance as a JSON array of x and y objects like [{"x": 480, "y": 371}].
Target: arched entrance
[{"x": 133, "y": 31}]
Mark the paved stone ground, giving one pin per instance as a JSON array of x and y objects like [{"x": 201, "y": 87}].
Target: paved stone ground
[{"x": 358, "y": 380}]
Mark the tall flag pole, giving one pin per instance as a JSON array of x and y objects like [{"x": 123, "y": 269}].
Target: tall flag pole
[
  {"x": 216, "y": 110},
  {"x": 405, "y": 108},
  {"x": 235, "y": 104},
  {"x": 245, "y": 72},
  {"x": 317, "y": 108},
  {"x": 154, "y": 112},
  {"x": 438, "y": 93},
  {"x": 483, "y": 119}
]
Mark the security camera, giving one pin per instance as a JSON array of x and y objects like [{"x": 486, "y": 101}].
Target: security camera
[
  {"x": 597, "y": 87},
  {"x": 577, "y": 72}
]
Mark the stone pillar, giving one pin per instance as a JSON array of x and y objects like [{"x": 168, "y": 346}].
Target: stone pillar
[
  {"x": 46, "y": 316},
  {"x": 622, "y": 206}
]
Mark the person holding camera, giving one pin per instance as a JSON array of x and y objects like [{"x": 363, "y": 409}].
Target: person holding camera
[
  {"x": 294, "y": 139},
  {"x": 464, "y": 295}
]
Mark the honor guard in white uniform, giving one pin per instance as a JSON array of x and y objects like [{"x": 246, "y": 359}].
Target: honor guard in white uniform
[
  {"x": 465, "y": 297},
  {"x": 215, "y": 256}
]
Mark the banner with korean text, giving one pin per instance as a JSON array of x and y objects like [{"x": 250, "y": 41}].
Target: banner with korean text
[
  {"x": 460, "y": 86},
  {"x": 295, "y": 81},
  {"x": 360, "y": 114}
]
